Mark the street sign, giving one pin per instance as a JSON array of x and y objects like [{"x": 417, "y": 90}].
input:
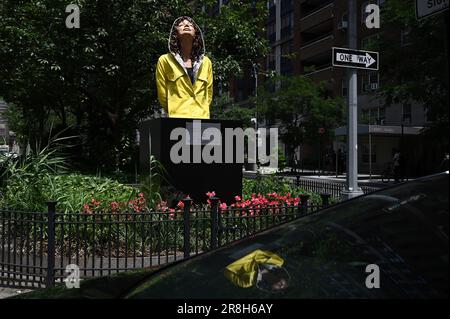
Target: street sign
[
  {"x": 356, "y": 59},
  {"x": 426, "y": 8}
]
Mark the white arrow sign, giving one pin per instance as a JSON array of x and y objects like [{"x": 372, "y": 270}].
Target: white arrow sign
[{"x": 366, "y": 59}]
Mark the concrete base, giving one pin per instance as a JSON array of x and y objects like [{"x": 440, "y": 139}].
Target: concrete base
[{"x": 351, "y": 194}]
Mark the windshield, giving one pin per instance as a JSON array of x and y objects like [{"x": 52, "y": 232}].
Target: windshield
[{"x": 402, "y": 230}]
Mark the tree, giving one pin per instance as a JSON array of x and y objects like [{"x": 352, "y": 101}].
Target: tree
[
  {"x": 302, "y": 107},
  {"x": 98, "y": 80},
  {"x": 414, "y": 67},
  {"x": 224, "y": 109}
]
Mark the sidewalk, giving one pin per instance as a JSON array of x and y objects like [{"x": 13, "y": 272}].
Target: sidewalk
[{"x": 9, "y": 292}]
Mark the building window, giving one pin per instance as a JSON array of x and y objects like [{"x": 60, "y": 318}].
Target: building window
[
  {"x": 369, "y": 82},
  {"x": 343, "y": 24},
  {"x": 373, "y": 116},
  {"x": 286, "y": 61},
  {"x": 366, "y": 154},
  {"x": 405, "y": 38},
  {"x": 406, "y": 113},
  {"x": 272, "y": 9},
  {"x": 271, "y": 60},
  {"x": 287, "y": 25},
  {"x": 344, "y": 88},
  {"x": 365, "y": 117},
  {"x": 286, "y": 5},
  {"x": 271, "y": 32}
]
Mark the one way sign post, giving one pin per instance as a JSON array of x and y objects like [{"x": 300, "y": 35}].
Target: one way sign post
[{"x": 355, "y": 59}]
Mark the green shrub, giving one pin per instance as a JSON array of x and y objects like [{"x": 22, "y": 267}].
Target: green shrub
[
  {"x": 41, "y": 175},
  {"x": 71, "y": 191}
]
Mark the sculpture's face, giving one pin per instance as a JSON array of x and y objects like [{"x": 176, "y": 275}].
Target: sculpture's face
[{"x": 185, "y": 28}]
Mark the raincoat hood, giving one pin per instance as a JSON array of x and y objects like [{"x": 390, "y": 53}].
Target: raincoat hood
[{"x": 198, "y": 60}]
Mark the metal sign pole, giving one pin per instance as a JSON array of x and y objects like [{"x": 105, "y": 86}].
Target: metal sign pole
[{"x": 352, "y": 189}]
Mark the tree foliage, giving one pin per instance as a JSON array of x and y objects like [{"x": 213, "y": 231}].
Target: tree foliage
[
  {"x": 98, "y": 80},
  {"x": 415, "y": 68},
  {"x": 225, "y": 109},
  {"x": 302, "y": 107}
]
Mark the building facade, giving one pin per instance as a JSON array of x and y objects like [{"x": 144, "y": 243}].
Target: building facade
[{"x": 302, "y": 34}]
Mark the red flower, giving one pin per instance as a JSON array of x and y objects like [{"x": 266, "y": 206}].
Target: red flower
[
  {"x": 223, "y": 206},
  {"x": 180, "y": 204},
  {"x": 114, "y": 206},
  {"x": 171, "y": 213},
  {"x": 237, "y": 198},
  {"x": 87, "y": 209},
  {"x": 162, "y": 206},
  {"x": 211, "y": 194}
]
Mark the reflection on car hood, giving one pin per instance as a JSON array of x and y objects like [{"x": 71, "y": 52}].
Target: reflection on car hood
[{"x": 326, "y": 253}]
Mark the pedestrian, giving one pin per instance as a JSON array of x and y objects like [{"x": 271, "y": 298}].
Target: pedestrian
[
  {"x": 330, "y": 161},
  {"x": 295, "y": 162},
  {"x": 341, "y": 161},
  {"x": 184, "y": 77},
  {"x": 444, "y": 163},
  {"x": 333, "y": 161},
  {"x": 397, "y": 168}
]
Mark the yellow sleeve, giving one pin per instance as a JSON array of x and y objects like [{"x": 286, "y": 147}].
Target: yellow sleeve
[
  {"x": 210, "y": 83},
  {"x": 161, "y": 84}
]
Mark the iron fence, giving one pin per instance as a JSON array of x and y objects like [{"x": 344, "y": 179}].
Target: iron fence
[
  {"x": 334, "y": 189},
  {"x": 36, "y": 247}
]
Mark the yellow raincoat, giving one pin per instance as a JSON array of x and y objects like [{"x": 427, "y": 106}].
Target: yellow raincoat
[
  {"x": 177, "y": 95},
  {"x": 244, "y": 271}
]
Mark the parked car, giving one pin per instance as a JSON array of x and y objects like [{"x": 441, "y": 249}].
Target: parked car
[{"x": 392, "y": 243}]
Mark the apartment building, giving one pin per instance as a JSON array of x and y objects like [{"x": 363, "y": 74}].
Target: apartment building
[{"x": 308, "y": 29}]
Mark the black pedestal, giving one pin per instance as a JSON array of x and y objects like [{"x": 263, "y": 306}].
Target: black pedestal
[{"x": 194, "y": 179}]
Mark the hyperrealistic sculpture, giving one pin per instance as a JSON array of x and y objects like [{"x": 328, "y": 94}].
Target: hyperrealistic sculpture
[{"x": 184, "y": 77}]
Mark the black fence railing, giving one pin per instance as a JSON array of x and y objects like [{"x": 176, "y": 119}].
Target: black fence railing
[
  {"x": 36, "y": 247},
  {"x": 334, "y": 189}
]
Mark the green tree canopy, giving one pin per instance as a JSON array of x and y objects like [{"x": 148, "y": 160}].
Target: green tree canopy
[
  {"x": 301, "y": 106},
  {"x": 99, "y": 79}
]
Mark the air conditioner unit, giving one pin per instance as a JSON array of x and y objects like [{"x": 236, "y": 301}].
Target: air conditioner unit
[
  {"x": 374, "y": 86},
  {"x": 343, "y": 25}
]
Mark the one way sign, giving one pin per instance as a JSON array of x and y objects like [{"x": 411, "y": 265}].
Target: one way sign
[{"x": 356, "y": 59}]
